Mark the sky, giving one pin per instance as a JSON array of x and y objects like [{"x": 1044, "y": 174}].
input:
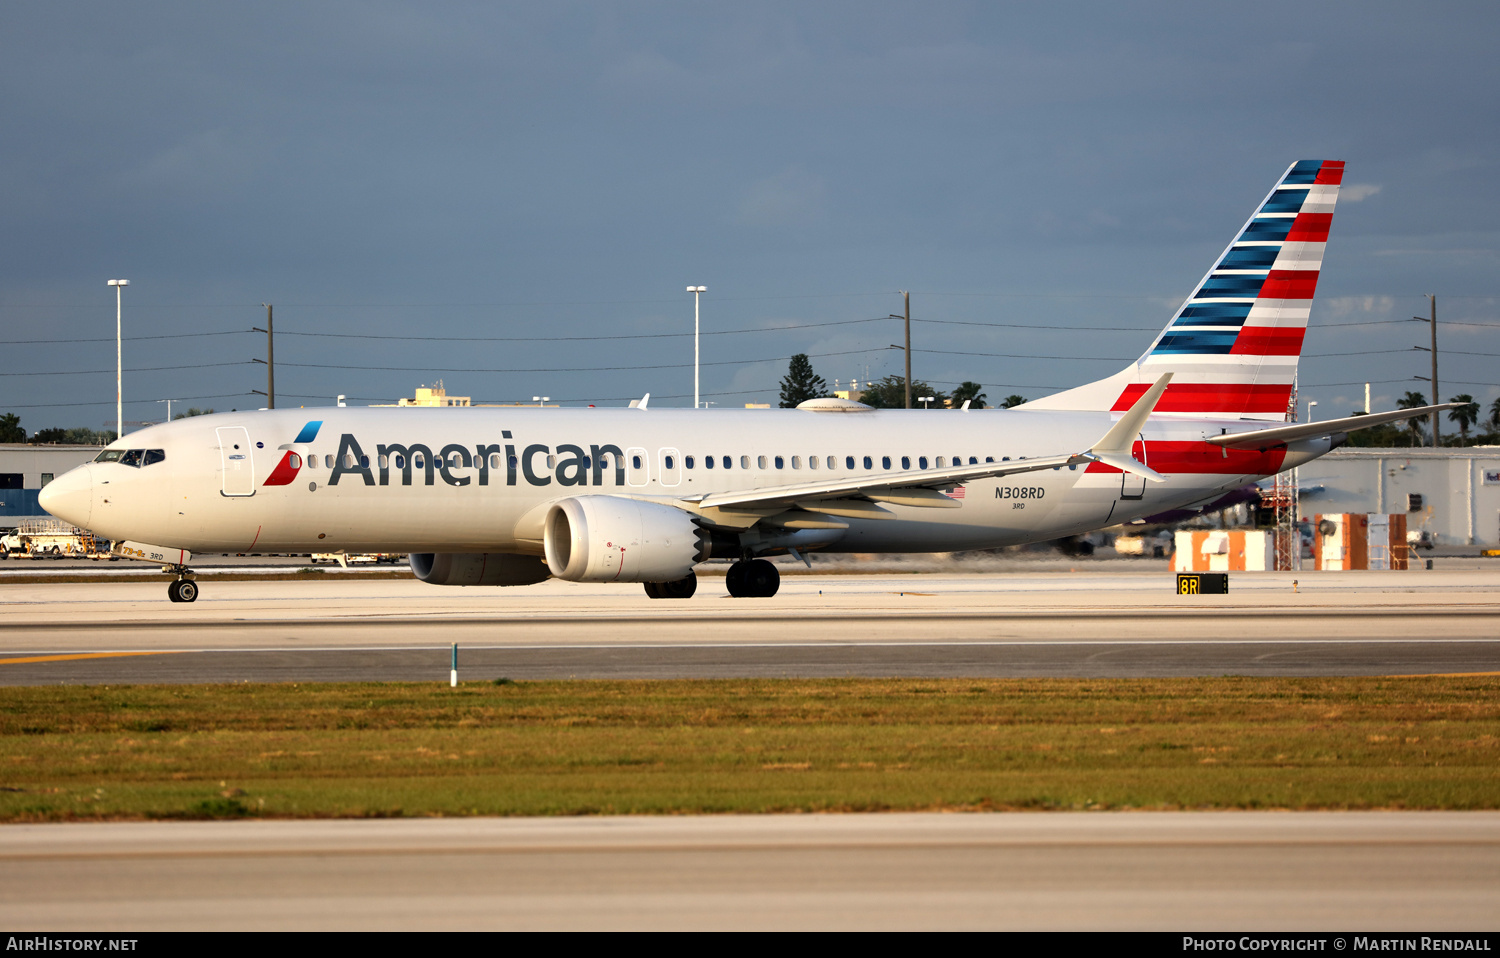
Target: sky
[{"x": 512, "y": 198}]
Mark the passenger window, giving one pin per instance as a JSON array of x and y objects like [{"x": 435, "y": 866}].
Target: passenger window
[
  {"x": 385, "y": 461},
  {"x": 686, "y": 461},
  {"x": 514, "y": 461},
  {"x": 812, "y": 462},
  {"x": 294, "y": 460},
  {"x": 869, "y": 463},
  {"x": 667, "y": 460},
  {"x": 400, "y": 462},
  {"x": 986, "y": 459},
  {"x": 922, "y": 462},
  {"x": 885, "y": 462},
  {"x": 727, "y": 461},
  {"x": 973, "y": 460},
  {"x": 796, "y": 462},
  {"x": 132, "y": 457},
  {"x": 494, "y": 460},
  {"x": 708, "y": 462},
  {"x": 760, "y": 461},
  {"x": 849, "y": 462},
  {"x": 939, "y": 462},
  {"x": 552, "y": 462},
  {"x": 364, "y": 462},
  {"x": 745, "y": 462},
  {"x": 587, "y": 462},
  {"x": 312, "y": 462},
  {"x": 833, "y": 462},
  {"x": 349, "y": 461},
  {"x": 154, "y": 456},
  {"x": 780, "y": 463},
  {"x": 635, "y": 462},
  {"x": 906, "y": 462},
  {"x": 328, "y": 461}
]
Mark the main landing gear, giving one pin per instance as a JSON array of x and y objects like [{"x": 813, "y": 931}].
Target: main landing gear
[
  {"x": 678, "y": 589},
  {"x": 753, "y": 578},
  {"x": 181, "y": 589}
]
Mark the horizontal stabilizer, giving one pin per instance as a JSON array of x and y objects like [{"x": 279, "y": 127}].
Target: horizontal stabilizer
[{"x": 1278, "y": 435}]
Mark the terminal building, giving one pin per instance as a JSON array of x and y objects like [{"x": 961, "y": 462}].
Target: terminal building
[
  {"x": 25, "y": 469},
  {"x": 1451, "y": 494}
]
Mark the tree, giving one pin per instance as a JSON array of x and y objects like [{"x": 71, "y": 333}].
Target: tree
[
  {"x": 1465, "y": 415},
  {"x": 1413, "y": 400},
  {"x": 1012, "y": 401},
  {"x": 84, "y": 436},
  {"x": 49, "y": 436},
  {"x": 972, "y": 392},
  {"x": 10, "y": 428},
  {"x": 890, "y": 393},
  {"x": 1495, "y": 415},
  {"x": 193, "y": 411},
  {"x": 801, "y": 383}
]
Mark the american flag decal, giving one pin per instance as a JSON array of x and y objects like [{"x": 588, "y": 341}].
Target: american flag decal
[{"x": 957, "y": 492}]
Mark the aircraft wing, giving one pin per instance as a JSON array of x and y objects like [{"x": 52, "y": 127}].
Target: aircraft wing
[
  {"x": 1263, "y": 439},
  {"x": 919, "y": 488}
]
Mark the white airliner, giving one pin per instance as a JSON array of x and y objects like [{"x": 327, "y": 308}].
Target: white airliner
[{"x": 512, "y": 496}]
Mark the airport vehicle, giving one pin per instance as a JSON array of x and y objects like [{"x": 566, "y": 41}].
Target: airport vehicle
[
  {"x": 510, "y": 496},
  {"x": 51, "y": 539}
]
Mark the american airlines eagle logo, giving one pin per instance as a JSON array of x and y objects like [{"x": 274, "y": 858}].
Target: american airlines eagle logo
[{"x": 291, "y": 461}]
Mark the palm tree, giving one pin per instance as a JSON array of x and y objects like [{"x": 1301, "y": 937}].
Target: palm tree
[
  {"x": 1465, "y": 415},
  {"x": 973, "y": 392},
  {"x": 1012, "y": 401},
  {"x": 1495, "y": 415},
  {"x": 1413, "y": 400}
]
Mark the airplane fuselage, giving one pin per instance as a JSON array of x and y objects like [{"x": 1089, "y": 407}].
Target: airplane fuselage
[{"x": 469, "y": 480}]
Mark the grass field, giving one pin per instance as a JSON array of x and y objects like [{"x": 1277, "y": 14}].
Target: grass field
[{"x": 593, "y": 747}]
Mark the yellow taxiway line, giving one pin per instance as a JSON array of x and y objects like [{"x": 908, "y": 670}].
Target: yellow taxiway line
[{"x": 82, "y": 655}]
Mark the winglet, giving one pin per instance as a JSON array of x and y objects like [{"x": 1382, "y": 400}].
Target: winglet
[
  {"x": 640, "y": 403},
  {"x": 1115, "y": 448}
]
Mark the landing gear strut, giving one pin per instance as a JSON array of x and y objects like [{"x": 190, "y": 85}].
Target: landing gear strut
[
  {"x": 678, "y": 589},
  {"x": 181, "y": 589},
  {"x": 753, "y": 578}
]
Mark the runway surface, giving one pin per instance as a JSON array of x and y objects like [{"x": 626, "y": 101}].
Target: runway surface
[
  {"x": 1012, "y": 624},
  {"x": 1360, "y": 872}
]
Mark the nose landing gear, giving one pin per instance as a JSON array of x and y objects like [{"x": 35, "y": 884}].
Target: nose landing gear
[
  {"x": 181, "y": 589},
  {"x": 753, "y": 578}
]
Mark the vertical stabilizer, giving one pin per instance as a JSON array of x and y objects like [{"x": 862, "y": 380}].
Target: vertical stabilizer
[{"x": 1232, "y": 347}]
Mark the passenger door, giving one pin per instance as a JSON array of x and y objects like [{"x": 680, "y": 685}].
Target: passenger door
[{"x": 237, "y": 460}]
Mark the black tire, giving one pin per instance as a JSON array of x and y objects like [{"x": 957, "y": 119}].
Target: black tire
[
  {"x": 734, "y": 580},
  {"x": 172, "y": 592},
  {"x": 678, "y": 589},
  {"x": 761, "y": 579},
  {"x": 187, "y": 590},
  {"x": 653, "y": 589}
]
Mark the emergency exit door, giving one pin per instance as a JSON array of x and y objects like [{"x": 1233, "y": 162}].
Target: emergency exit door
[
  {"x": 237, "y": 460},
  {"x": 1133, "y": 486}
]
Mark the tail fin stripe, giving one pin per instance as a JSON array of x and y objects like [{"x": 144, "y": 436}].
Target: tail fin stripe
[{"x": 1232, "y": 398}]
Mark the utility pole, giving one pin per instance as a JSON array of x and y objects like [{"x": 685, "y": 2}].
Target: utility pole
[
  {"x": 1435, "y": 400},
  {"x": 907, "y": 348},
  {"x": 270, "y": 360}
]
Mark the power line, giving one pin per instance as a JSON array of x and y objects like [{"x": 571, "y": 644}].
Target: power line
[
  {"x": 582, "y": 369},
  {"x": 141, "y": 369}
]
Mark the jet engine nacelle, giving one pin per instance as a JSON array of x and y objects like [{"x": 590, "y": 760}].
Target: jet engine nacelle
[
  {"x": 614, "y": 539},
  {"x": 477, "y": 568}
]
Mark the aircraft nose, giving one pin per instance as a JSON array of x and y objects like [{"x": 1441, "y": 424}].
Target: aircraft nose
[{"x": 70, "y": 496}]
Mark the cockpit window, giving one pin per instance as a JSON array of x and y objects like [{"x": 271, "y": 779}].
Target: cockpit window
[
  {"x": 132, "y": 457},
  {"x": 109, "y": 455},
  {"x": 153, "y": 456}
]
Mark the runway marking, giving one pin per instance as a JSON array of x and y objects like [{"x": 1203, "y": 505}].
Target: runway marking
[
  {"x": 84, "y": 655},
  {"x": 978, "y": 643},
  {"x": 1440, "y": 675}
]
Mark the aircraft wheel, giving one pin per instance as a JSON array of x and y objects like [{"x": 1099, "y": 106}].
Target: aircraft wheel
[
  {"x": 182, "y": 590},
  {"x": 734, "y": 580},
  {"x": 172, "y": 590},
  {"x": 761, "y": 579},
  {"x": 653, "y": 589},
  {"x": 682, "y": 588}
]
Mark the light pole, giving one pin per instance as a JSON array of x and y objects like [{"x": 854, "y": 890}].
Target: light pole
[
  {"x": 696, "y": 291},
  {"x": 1310, "y": 404},
  {"x": 119, "y": 285},
  {"x": 541, "y": 400},
  {"x": 906, "y": 296},
  {"x": 924, "y": 400},
  {"x": 169, "y": 408}
]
